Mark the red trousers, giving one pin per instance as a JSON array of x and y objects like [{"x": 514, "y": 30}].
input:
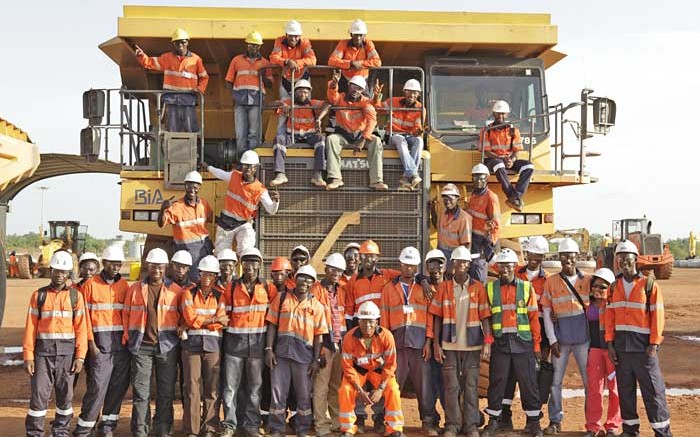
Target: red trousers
[{"x": 601, "y": 370}]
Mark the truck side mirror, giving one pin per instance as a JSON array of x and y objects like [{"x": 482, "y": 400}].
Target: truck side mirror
[
  {"x": 90, "y": 143},
  {"x": 604, "y": 111},
  {"x": 94, "y": 106}
]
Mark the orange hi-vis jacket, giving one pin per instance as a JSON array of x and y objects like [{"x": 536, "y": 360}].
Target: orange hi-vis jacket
[
  {"x": 359, "y": 290},
  {"x": 195, "y": 309},
  {"x": 503, "y": 141},
  {"x": 406, "y": 316},
  {"x": 633, "y": 323},
  {"x": 358, "y": 121},
  {"x": 105, "y": 303},
  {"x": 135, "y": 316},
  {"x": 243, "y": 73},
  {"x": 181, "y": 73},
  {"x": 189, "y": 221},
  {"x": 298, "y": 322},
  {"x": 303, "y": 54},
  {"x": 445, "y": 307},
  {"x": 483, "y": 208},
  {"x": 571, "y": 326},
  {"x": 345, "y": 53},
  {"x": 404, "y": 122},
  {"x": 320, "y": 292},
  {"x": 242, "y": 199},
  {"x": 61, "y": 329},
  {"x": 537, "y": 282},
  {"x": 245, "y": 333},
  {"x": 305, "y": 116},
  {"x": 358, "y": 360},
  {"x": 509, "y": 305},
  {"x": 454, "y": 230}
]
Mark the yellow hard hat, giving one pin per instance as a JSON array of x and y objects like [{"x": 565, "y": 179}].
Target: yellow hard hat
[
  {"x": 254, "y": 37},
  {"x": 179, "y": 34}
]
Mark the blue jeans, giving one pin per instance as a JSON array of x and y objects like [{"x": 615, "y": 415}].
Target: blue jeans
[
  {"x": 580, "y": 351},
  {"x": 247, "y": 120},
  {"x": 236, "y": 369},
  {"x": 181, "y": 118},
  {"x": 142, "y": 365},
  {"x": 409, "y": 148}
]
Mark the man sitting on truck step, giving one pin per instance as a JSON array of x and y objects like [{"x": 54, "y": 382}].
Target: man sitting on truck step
[
  {"x": 308, "y": 115},
  {"x": 183, "y": 71},
  {"x": 243, "y": 195},
  {"x": 501, "y": 145},
  {"x": 406, "y": 129},
  {"x": 355, "y": 126},
  {"x": 485, "y": 210}
]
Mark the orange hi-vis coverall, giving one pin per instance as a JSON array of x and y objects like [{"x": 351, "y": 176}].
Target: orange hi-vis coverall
[{"x": 374, "y": 363}]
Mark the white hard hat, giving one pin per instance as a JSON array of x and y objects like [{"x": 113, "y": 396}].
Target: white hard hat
[
  {"x": 302, "y": 83},
  {"x": 302, "y": 248},
  {"x": 412, "y": 85},
  {"x": 464, "y": 254},
  {"x": 251, "y": 251},
  {"x": 351, "y": 246},
  {"x": 501, "y": 106},
  {"x": 410, "y": 255},
  {"x": 227, "y": 255},
  {"x": 605, "y": 274},
  {"x": 113, "y": 253},
  {"x": 480, "y": 169},
  {"x": 209, "y": 264},
  {"x": 293, "y": 27},
  {"x": 537, "y": 244},
  {"x": 306, "y": 270},
  {"x": 61, "y": 260},
  {"x": 182, "y": 257},
  {"x": 193, "y": 176},
  {"x": 626, "y": 246},
  {"x": 87, "y": 256},
  {"x": 506, "y": 256},
  {"x": 567, "y": 245},
  {"x": 359, "y": 81},
  {"x": 450, "y": 190},
  {"x": 336, "y": 260},
  {"x": 435, "y": 254},
  {"x": 250, "y": 157},
  {"x": 368, "y": 311},
  {"x": 157, "y": 256},
  {"x": 358, "y": 27}
]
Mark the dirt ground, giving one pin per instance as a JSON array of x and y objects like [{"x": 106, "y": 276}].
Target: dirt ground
[{"x": 679, "y": 362}]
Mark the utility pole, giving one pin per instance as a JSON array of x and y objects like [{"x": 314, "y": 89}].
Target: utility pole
[{"x": 41, "y": 225}]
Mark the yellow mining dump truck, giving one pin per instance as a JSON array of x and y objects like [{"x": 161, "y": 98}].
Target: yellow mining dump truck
[
  {"x": 463, "y": 60},
  {"x": 19, "y": 159}
]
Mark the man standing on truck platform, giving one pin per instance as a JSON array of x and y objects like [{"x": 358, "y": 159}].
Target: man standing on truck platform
[
  {"x": 243, "y": 195},
  {"x": 454, "y": 225},
  {"x": 485, "y": 209},
  {"x": 189, "y": 216},
  {"x": 242, "y": 78},
  {"x": 501, "y": 143},
  {"x": 184, "y": 74},
  {"x": 634, "y": 321}
]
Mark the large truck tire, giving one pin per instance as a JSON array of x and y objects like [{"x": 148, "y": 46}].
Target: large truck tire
[
  {"x": 664, "y": 271},
  {"x": 24, "y": 266}
]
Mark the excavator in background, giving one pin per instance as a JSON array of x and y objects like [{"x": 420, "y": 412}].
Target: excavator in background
[
  {"x": 582, "y": 237},
  {"x": 653, "y": 254}
]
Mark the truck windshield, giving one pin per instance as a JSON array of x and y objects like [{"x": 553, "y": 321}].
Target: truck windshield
[{"x": 462, "y": 97}]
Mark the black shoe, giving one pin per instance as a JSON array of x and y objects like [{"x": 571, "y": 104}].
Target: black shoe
[
  {"x": 491, "y": 429},
  {"x": 360, "y": 422},
  {"x": 397, "y": 434},
  {"x": 380, "y": 428},
  {"x": 533, "y": 429},
  {"x": 505, "y": 423}
]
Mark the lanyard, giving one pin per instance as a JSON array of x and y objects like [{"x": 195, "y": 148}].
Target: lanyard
[{"x": 406, "y": 291}]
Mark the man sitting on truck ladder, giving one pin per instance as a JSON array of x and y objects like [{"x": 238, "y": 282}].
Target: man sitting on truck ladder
[
  {"x": 183, "y": 71},
  {"x": 308, "y": 115},
  {"x": 243, "y": 195},
  {"x": 407, "y": 129},
  {"x": 355, "y": 126},
  {"x": 501, "y": 146},
  {"x": 189, "y": 216},
  {"x": 485, "y": 210}
]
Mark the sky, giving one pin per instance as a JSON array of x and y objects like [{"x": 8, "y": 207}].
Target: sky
[{"x": 642, "y": 54}]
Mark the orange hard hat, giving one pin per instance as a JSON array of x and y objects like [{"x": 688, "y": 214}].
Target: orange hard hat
[
  {"x": 280, "y": 263},
  {"x": 369, "y": 247}
]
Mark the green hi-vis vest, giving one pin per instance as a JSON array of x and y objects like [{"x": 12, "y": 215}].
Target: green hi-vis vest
[{"x": 522, "y": 296}]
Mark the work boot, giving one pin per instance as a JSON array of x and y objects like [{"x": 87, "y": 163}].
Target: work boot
[
  {"x": 590, "y": 434},
  {"x": 227, "y": 432},
  {"x": 334, "y": 184},
  {"x": 516, "y": 203},
  {"x": 430, "y": 430},
  {"x": 379, "y": 186},
  {"x": 629, "y": 434},
  {"x": 609, "y": 433},
  {"x": 553, "y": 428},
  {"x": 397, "y": 434},
  {"x": 491, "y": 429},
  {"x": 347, "y": 434},
  {"x": 318, "y": 181},
  {"x": 360, "y": 423},
  {"x": 380, "y": 428},
  {"x": 505, "y": 421},
  {"x": 533, "y": 429},
  {"x": 280, "y": 178},
  {"x": 415, "y": 181},
  {"x": 450, "y": 431}
]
